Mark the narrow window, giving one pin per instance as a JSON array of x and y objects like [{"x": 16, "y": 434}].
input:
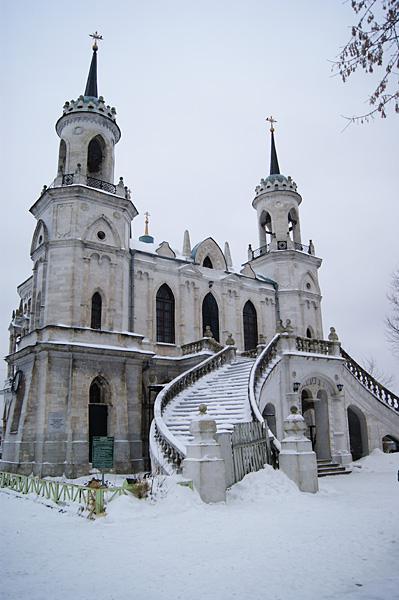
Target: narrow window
[
  {"x": 309, "y": 333},
  {"x": 98, "y": 411},
  {"x": 96, "y": 308},
  {"x": 250, "y": 326},
  {"x": 95, "y": 156},
  {"x": 165, "y": 308},
  {"x": 207, "y": 263},
  {"x": 210, "y": 315}
]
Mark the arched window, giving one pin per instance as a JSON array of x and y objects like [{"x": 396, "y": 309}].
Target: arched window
[
  {"x": 309, "y": 333},
  {"x": 293, "y": 227},
  {"x": 95, "y": 156},
  {"x": 96, "y": 309},
  {"x": 62, "y": 157},
  {"x": 210, "y": 315},
  {"x": 269, "y": 414},
  {"x": 265, "y": 223},
  {"x": 98, "y": 410},
  {"x": 165, "y": 315},
  {"x": 250, "y": 326},
  {"x": 207, "y": 263}
]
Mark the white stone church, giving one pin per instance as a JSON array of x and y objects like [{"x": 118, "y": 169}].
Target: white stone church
[{"x": 118, "y": 335}]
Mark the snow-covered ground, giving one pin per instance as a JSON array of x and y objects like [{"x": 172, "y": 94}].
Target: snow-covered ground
[{"x": 269, "y": 541}]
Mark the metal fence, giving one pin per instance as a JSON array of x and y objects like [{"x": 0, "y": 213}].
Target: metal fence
[
  {"x": 93, "y": 499},
  {"x": 250, "y": 448}
]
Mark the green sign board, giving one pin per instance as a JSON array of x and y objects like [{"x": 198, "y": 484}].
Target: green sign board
[{"x": 103, "y": 452}]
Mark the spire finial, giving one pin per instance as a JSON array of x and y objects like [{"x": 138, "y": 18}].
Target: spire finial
[
  {"x": 96, "y": 36},
  {"x": 274, "y": 166},
  {"x": 91, "y": 85},
  {"x": 146, "y": 221},
  {"x": 271, "y": 121}
]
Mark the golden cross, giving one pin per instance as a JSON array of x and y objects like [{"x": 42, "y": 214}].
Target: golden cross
[
  {"x": 271, "y": 121},
  {"x": 96, "y": 36},
  {"x": 146, "y": 214}
]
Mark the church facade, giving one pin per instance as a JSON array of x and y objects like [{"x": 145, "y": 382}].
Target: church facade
[{"x": 106, "y": 318}]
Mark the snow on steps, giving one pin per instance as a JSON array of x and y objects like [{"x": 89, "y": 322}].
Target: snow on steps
[{"x": 225, "y": 392}]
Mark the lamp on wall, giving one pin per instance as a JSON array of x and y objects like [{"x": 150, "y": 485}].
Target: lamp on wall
[
  {"x": 340, "y": 386},
  {"x": 296, "y": 386}
]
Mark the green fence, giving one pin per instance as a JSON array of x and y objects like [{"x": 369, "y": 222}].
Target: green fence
[{"x": 93, "y": 499}]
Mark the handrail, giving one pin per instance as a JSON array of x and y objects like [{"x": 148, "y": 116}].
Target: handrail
[
  {"x": 315, "y": 346},
  {"x": 372, "y": 385},
  {"x": 205, "y": 343},
  {"x": 260, "y": 365},
  {"x": 172, "y": 447}
]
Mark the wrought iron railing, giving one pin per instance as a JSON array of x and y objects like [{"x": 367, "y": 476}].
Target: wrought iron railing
[
  {"x": 68, "y": 179},
  {"x": 377, "y": 389},
  {"x": 173, "y": 450},
  {"x": 204, "y": 343},
  {"x": 280, "y": 246},
  {"x": 101, "y": 185},
  {"x": 94, "y": 499}
]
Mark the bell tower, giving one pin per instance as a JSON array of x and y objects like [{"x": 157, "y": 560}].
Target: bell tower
[
  {"x": 88, "y": 132},
  {"x": 281, "y": 254}
]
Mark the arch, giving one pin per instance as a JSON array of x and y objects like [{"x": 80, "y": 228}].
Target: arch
[
  {"x": 390, "y": 444},
  {"x": 269, "y": 414},
  {"x": 250, "y": 322},
  {"x": 207, "y": 262},
  {"x": 165, "y": 310},
  {"x": 62, "y": 157},
  {"x": 309, "y": 332},
  {"x": 265, "y": 227},
  {"x": 99, "y": 399},
  {"x": 210, "y": 315},
  {"x": 106, "y": 226},
  {"x": 96, "y": 311},
  {"x": 40, "y": 236},
  {"x": 95, "y": 156},
  {"x": 211, "y": 249},
  {"x": 309, "y": 283},
  {"x": 293, "y": 226},
  {"x": 358, "y": 436}
]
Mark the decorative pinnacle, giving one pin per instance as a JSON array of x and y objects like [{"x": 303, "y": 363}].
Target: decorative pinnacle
[
  {"x": 96, "y": 36},
  {"x": 146, "y": 221},
  {"x": 271, "y": 121}
]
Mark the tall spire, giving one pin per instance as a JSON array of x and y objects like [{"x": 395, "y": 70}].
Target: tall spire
[
  {"x": 274, "y": 166},
  {"x": 91, "y": 85}
]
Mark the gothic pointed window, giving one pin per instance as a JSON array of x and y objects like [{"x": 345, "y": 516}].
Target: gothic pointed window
[
  {"x": 250, "y": 326},
  {"x": 96, "y": 310},
  {"x": 98, "y": 410},
  {"x": 210, "y": 315},
  {"x": 62, "y": 157},
  {"x": 165, "y": 307},
  {"x": 95, "y": 157},
  {"x": 309, "y": 333},
  {"x": 207, "y": 263}
]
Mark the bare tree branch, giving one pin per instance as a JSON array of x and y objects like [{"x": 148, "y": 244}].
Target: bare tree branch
[
  {"x": 392, "y": 320},
  {"x": 373, "y": 46}
]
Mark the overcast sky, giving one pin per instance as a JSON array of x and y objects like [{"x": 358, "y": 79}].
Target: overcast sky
[{"x": 192, "y": 83}]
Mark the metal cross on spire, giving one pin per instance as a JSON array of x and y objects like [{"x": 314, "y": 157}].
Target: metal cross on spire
[
  {"x": 271, "y": 121},
  {"x": 146, "y": 214},
  {"x": 96, "y": 36}
]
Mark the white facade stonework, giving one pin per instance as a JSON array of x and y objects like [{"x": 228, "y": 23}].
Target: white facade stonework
[{"x": 105, "y": 319}]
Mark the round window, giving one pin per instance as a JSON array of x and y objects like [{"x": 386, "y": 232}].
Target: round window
[{"x": 101, "y": 235}]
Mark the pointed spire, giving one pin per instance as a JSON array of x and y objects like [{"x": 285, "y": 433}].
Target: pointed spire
[
  {"x": 227, "y": 255},
  {"x": 186, "y": 244},
  {"x": 91, "y": 85},
  {"x": 274, "y": 166}
]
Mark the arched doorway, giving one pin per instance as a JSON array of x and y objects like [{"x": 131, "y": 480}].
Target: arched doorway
[
  {"x": 210, "y": 315},
  {"x": 315, "y": 413},
  {"x": 165, "y": 309},
  {"x": 250, "y": 326},
  {"x": 358, "y": 438},
  {"x": 98, "y": 410},
  {"x": 269, "y": 414}
]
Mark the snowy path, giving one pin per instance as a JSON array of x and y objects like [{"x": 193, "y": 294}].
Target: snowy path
[{"x": 268, "y": 542}]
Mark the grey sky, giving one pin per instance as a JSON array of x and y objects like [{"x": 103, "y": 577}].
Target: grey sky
[{"x": 192, "y": 83}]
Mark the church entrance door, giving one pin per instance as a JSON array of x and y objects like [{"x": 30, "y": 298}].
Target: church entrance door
[
  {"x": 315, "y": 413},
  {"x": 210, "y": 315},
  {"x": 98, "y": 423}
]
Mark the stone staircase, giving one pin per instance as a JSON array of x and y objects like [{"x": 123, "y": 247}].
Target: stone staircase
[
  {"x": 224, "y": 391},
  {"x": 326, "y": 467}
]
